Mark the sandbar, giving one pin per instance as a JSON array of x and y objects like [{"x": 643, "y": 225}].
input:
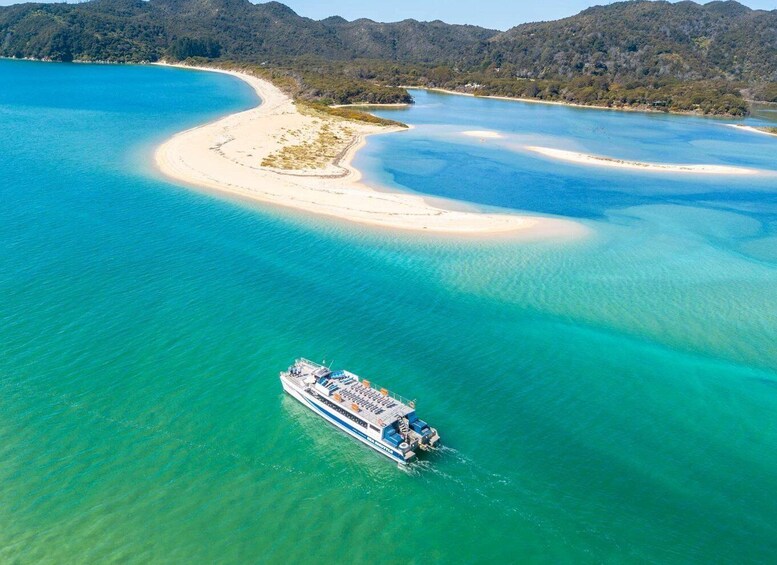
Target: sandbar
[
  {"x": 483, "y": 134},
  {"x": 752, "y": 129},
  {"x": 280, "y": 154},
  {"x": 602, "y": 161}
]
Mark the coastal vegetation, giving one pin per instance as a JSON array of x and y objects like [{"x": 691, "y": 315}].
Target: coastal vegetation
[
  {"x": 716, "y": 97},
  {"x": 351, "y": 114},
  {"x": 324, "y": 140},
  {"x": 315, "y": 153},
  {"x": 682, "y": 57},
  {"x": 321, "y": 100},
  {"x": 764, "y": 92}
]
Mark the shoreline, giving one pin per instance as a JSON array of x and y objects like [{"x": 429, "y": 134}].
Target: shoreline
[
  {"x": 400, "y": 105},
  {"x": 227, "y": 156},
  {"x": 567, "y": 104},
  {"x": 396, "y": 105}
]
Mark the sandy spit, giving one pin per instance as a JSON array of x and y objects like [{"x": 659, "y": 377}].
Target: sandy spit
[{"x": 228, "y": 155}]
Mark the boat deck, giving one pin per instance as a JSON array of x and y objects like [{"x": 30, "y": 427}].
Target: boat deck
[{"x": 377, "y": 407}]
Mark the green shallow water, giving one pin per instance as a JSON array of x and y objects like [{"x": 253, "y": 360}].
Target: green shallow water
[{"x": 609, "y": 400}]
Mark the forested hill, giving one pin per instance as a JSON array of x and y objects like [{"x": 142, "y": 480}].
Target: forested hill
[
  {"x": 684, "y": 56},
  {"x": 636, "y": 39},
  {"x": 138, "y": 30}
]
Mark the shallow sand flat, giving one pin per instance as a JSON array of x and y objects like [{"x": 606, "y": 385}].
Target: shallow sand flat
[
  {"x": 601, "y": 161},
  {"x": 751, "y": 129},
  {"x": 227, "y": 156},
  {"x": 483, "y": 134}
]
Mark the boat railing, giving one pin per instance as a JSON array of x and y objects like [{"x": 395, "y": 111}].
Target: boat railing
[
  {"x": 303, "y": 361},
  {"x": 395, "y": 396}
]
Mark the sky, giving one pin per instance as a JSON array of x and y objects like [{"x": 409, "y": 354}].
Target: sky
[{"x": 495, "y": 14}]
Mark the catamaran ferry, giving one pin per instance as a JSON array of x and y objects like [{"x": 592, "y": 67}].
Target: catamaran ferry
[{"x": 384, "y": 421}]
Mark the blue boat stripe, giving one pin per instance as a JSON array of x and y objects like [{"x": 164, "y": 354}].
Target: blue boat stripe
[{"x": 386, "y": 450}]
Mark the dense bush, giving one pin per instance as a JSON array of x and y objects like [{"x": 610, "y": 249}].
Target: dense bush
[
  {"x": 765, "y": 92},
  {"x": 185, "y": 47}
]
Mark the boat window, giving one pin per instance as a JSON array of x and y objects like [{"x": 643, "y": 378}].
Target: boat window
[{"x": 340, "y": 410}]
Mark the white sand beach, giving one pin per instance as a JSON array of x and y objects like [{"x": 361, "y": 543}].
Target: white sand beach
[
  {"x": 601, "y": 161},
  {"x": 281, "y": 154}
]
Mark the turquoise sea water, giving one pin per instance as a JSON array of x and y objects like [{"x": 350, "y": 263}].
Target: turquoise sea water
[{"x": 609, "y": 400}]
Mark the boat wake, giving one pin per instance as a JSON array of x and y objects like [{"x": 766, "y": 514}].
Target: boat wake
[{"x": 156, "y": 432}]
